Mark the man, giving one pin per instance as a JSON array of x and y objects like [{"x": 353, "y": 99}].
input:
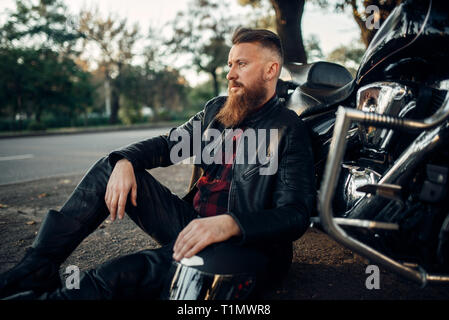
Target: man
[{"x": 234, "y": 200}]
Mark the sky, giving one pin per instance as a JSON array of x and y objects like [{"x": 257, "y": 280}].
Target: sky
[{"x": 331, "y": 29}]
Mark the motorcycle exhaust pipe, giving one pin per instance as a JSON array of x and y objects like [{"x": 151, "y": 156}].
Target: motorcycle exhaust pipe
[{"x": 414, "y": 153}]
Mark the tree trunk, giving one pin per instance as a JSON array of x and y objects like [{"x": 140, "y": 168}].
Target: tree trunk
[
  {"x": 288, "y": 26},
  {"x": 215, "y": 81},
  {"x": 107, "y": 95},
  {"x": 385, "y": 9},
  {"x": 115, "y": 95},
  {"x": 37, "y": 115},
  {"x": 365, "y": 34},
  {"x": 115, "y": 105}
]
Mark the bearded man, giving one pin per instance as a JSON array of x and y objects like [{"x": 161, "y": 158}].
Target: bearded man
[{"x": 232, "y": 202}]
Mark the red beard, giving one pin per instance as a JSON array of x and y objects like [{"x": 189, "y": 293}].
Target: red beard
[{"x": 238, "y": 106}]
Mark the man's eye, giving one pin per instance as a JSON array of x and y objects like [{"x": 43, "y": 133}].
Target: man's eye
[{"x": 242, "y": 64}]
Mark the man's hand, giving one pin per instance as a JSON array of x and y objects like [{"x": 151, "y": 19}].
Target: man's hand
[
  {"x": 200, "y": 233},
  {"x": 121, "y": 181}
]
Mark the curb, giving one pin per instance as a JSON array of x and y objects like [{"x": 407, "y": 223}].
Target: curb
[{"x": 92, "y": 130}]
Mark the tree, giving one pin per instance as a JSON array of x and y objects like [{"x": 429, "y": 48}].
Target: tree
[
  {"x": 348, "y": 56},
  {"x": 313, "y": 48},
  {"x": 361, "y": 13},
  {"x": 202, "y": 33},
  {"x": 289, "y": 14},
  {"x": 162, "y": 89},
  {"x": 115, "y": 40},
  {"x": 261, "y": 15},
  {"x": 38, "y": 72},
  {"x": 40, "y": 23},
  {"x": 16, "y": 90},
  {"x": 38, "y": 81},
  {"x": 288, "y": 26}
]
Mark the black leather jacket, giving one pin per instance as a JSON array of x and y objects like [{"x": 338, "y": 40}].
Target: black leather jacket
[{"x": 269, "y": 209}]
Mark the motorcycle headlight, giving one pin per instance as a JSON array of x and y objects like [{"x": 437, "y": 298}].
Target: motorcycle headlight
[{"x": 388, "y": 98}]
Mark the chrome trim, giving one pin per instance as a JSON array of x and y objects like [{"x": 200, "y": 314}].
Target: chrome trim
[
  {"x": 389, "y": 191},
  {"x": 356, "y": 177},
  {"x": 411, "y": 157},
  {"x": 410, "y": 106},
  {"x": 389, "y": 98},
  {"x": 189, "y": 283},
  {"x": 427, "y": 139},
  {"x": 367, "y": 224}
]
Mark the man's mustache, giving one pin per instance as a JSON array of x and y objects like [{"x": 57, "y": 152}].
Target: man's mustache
[{"x": 234, "y": 84}]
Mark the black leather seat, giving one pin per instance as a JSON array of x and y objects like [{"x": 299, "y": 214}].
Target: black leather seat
[
  {"x": 318, "y": 85},
  {"x": 319, "y": 75}
]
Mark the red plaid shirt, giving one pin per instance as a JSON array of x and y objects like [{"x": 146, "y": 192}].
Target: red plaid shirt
[{"x": 213, "y": 187}]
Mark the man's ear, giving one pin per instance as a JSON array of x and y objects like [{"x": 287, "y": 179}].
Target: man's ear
[{"x": 271, "y": 70}]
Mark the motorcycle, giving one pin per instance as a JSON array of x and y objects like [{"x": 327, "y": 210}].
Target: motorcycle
[
  {"x": 381, "y": 142},
  {"x": 381, "y": 148}
]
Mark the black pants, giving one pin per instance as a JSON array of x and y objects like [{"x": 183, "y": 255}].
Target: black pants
[{"x": 159, "y": 213}]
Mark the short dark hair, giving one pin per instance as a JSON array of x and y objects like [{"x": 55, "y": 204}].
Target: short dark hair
[{"x": 265, "y": 37}]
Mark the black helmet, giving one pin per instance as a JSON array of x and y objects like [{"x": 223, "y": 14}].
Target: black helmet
[{"x": 221, "y": 271}]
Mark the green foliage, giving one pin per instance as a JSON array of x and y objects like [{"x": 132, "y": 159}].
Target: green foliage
[
  {"x": 115, "y": 40},
  {"x": 164, "y": 90},
  {"x": 38, "y": 73},
  {"x": 348, "y": 56},
  {"x": 36, "y": 126},
  {"x": 34, "y": 81},
  {"x": 40, "y": 23},
  {"x": 313, "y": 49},
  {"x": 199, "y": 95},
  {"x": 49, "y": 121},
  {"x": 130, "y": 112},
  {"x": 202, "y": 32}
]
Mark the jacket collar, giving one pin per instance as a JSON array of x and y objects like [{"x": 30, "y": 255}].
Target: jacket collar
[{"x": 269, "y": 106}]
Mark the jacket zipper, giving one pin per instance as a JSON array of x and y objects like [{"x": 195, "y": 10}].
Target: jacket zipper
[
  {"x": 232, "y": 177},
  {"x": 230, "y": 185},
  {"x": 248, "y": 174}
]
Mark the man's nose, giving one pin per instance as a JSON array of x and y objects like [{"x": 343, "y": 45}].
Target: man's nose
[{"x": 231, "y": 74}]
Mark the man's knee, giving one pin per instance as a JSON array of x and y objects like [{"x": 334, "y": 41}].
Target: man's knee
[
  {"x": 102, "y": 163},
  {"x": 97, "y": 176},
  {"x": 145, "y": 180}
]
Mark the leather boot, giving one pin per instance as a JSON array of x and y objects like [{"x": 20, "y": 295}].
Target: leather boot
[
  {"x": 26, "y": 295},
  {"x": 60, "y": 233},
  {"x": 37, "y": 295},
  {"x": 32, "y": 295},
  {"x": 39, "y": 269},
  {"x": 139, "y": 275}
]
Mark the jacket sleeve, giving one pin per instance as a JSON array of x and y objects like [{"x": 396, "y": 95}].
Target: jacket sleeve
[
  {"x": 293, "y": 197},
  {"x": 155, "y": 152}
]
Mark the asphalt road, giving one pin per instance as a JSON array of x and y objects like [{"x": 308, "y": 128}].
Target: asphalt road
[{"x": 31, "y": 158}]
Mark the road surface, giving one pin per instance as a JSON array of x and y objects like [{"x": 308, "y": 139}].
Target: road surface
[{"x": 31, "y": 158}]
